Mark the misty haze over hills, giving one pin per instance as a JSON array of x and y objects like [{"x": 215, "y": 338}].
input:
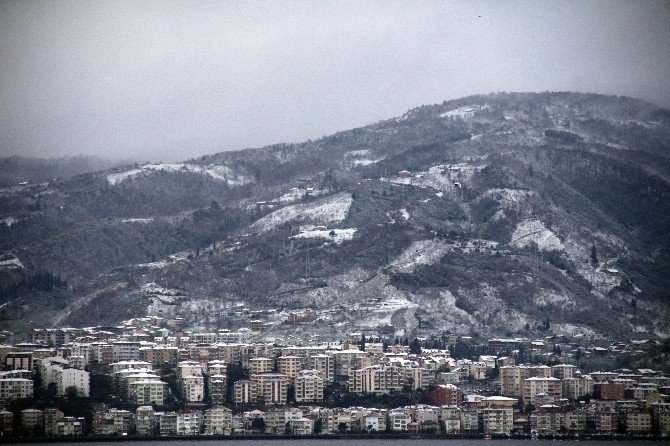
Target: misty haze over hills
[
  {"x": 484, "y": 215},
  {"x": 19, "y": 169},
  {"x": 165, "y": 81}
]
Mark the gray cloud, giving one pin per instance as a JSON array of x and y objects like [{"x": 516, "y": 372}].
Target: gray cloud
[{"x": 171, "y": 80}]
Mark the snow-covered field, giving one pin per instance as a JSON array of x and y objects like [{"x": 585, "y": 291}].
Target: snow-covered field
[
  {"x": 533, "y": 230},
  {"x": 137, "y": 220},
  {"x": 337, "y": 236},
  {"x": 390, "y": 311},
  {"x": 442, "y": 178},
  {"x": 579, "y": 252},
  {"x": 450, "y": 316},
  {"x": 428, "y": 252},
  {"x": 572, "y": 330},
  {"x": 218, "y": 172},
  {"x": 366, "y": 161},
  {"x": 115, "y": 178},
  {"x": 548, "y": 297},
  {"x": 507, "y": 198},
  {"x": 462, "y": 112},
  {"x": 298, "y": 193},
  {"x": 154, "y": 265},
  {"x": 152, "y": 288},
  {"x": 332, "y": 209},
  {"x": 434, "y": 178},
  {"x": 422, "y": 252},
  {"x": 361, "y": 158}
]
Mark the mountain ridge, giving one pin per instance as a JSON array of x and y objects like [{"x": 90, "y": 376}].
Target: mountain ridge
[{"x": 476, "y": 215}]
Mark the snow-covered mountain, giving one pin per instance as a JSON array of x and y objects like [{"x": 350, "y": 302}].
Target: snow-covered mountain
[{"x": 483, "y": 215}]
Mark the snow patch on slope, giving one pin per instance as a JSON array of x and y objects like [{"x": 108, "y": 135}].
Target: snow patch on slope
[
  {"x": 366, "y": 161},
  {"x": 572, "y": 330},
  {"x": 449, "y": 316},
  {"x": 11, "y": 263},
  {"x": 115, "y": 178},
  {"x": 297, "y": 194},
  {"x": 422, "y": 252},
  {"x": 579, "y": 252},
  {"x": 429, "y": 252},
  {"x": 463, "y": 112},
  {"x": 9, "y": 221},
  {"x": 507, "y": 198},
  {"x": 337, "y": 236},
  {"x": 218, "y": 172},
  {"x": 390, "y": 310},
  {"x": 361, "y": 158},
  {"x": 546, "y": 298},
  {"x": 153, "y": 288},
  {"x": 533, "y": 230},
  {"x": 137, "y": 220},
  {"x": 331, "y": 209},
  {"x": 442, "y": 178}
]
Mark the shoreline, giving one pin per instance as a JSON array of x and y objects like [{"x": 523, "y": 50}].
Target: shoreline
[{"x": 382, "y": 436}]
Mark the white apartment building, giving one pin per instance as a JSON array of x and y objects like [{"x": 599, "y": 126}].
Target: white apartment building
[
  {"x": 189, "y": 423},
  {"x": 58, "y": 371},
  {"x": 346, "y": 360},
  {"x": 309, "y": 386},
  {"x": 193, "y": 388},
  {"x": 47, "y": 367},
  {"x": 272, "y": 387},
  {"x": 535, "y": 388},
  {"x": 512, "y": 378},
  {"x": 79, "y": 379},
  {"x": 398, "y": 420},
  {"x": 497, "y": 420},
  {"x": 151, "y": 391},
  {"x": 134, "y": 364},
  {"x": 14, "y": 388},
  {"x": 218, "y": 421},
  {"x": 375, "y": 379},
  {"x": 563, "y": 371},
  {"x": 217, "y": 367},
  {"x": 245, "y": 392},
  {"x": 324, "y": 364},
  {"x": 218, "y": 389},
  {"x": 417, "y": 377},
  {"x": 289, "y": 366},
  {"x": 301, "y": 426},
  {"x": 125, "y": 351},
  {"x": 576, "y": 388},
  {"x": 189, "y": 368},
  {"x": 77, "y": 362},
  {"x": 260, "y": 365},
  {"x": 145, "y": 420},
  {"x": 276, "y": 420},
  {"x": 375, "y": 421}
]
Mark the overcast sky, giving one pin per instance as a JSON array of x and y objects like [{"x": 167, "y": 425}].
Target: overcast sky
[{"x": 173, "y": 80}]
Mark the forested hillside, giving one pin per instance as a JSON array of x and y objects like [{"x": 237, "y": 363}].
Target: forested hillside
[{"x": 507, "y": 214}]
